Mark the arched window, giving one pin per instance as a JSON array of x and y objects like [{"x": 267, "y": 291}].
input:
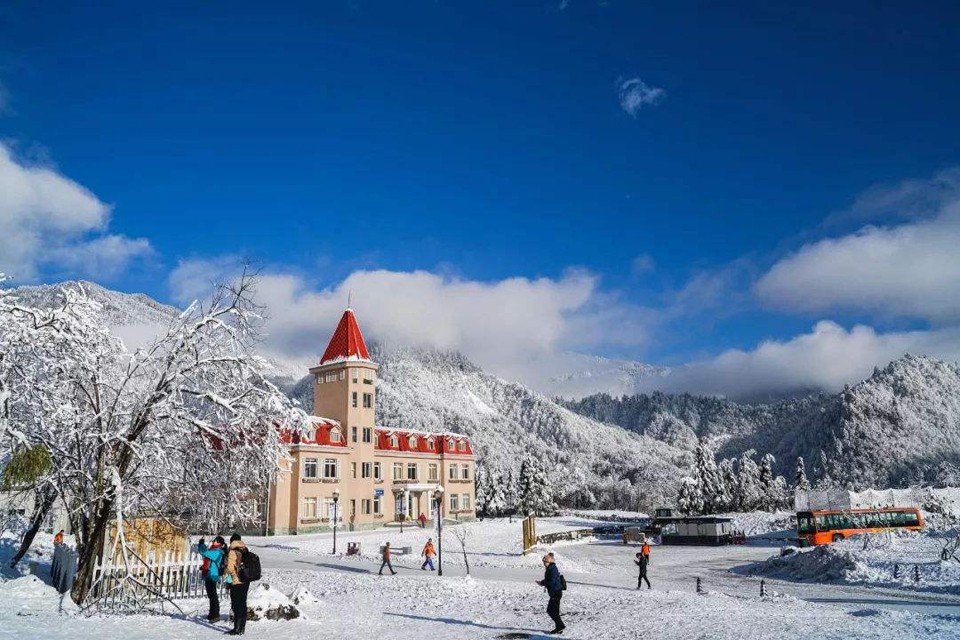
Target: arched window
[
  {"x": 394, "y": 441},
  {"x": 412, "y": 441},
  {"x": 430, "y": 444},
  {"x": 309, "y": 436},
  {"x": 462, "y": 445},
  {"x": 335, "y": 435}
]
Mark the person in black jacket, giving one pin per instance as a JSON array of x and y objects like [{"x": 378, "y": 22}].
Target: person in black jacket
[
  {"x": 641, "y": 562},
  {"x": 554, "y": 586}
]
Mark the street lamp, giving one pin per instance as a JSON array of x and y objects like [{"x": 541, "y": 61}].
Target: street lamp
[
  {"x": 439, "y": 500},
  {"x": 336, "y": 499}
]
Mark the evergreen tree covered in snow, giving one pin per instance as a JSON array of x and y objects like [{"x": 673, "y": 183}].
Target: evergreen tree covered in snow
[
  {"x": 496, "y": 497},
  {"x": 536, "y": 496},
  {"x": 800, "y": 481},
  {"x": 482, "y": 487},
  {"x": 749, "y": 492},
  {"x": 689, "y": 498},
  {"x": 511, "y": 493},
  {"x": 709, "y": 479}
]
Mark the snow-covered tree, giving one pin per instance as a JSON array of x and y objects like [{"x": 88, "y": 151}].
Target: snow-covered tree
[
  {"x": 728, "y": 476},
  {"x": 800, "y": 481},
  {"x": 511, "y": 493},
  {"x": 535, "y": 493},
  {"x": 750, "y": 495},
  {"x": 483, "y": 490},
  {"x": 708, "y": 478},
  {"x": 187, "y": 428},
  {"x": 689, "y": 498}
]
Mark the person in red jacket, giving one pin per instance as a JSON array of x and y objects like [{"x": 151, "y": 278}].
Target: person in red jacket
[
  {"x": 58, "y": 539},
  {"x": 386, "y": 560}
]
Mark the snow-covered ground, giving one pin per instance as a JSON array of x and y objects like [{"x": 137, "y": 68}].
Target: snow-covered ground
[
  {"x": 904, "y": 560},
  {"x": 345, "y": 598}
]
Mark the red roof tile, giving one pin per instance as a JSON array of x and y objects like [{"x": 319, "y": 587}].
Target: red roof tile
[{"x": 347, "y": 341}]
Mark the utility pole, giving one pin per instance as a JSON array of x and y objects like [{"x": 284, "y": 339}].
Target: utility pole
[{"x": 336, "y": 499}]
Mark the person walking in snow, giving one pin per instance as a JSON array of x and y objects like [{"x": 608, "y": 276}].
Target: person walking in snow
[
  {"x": 423, "y": 520},
  {"x": 553, "y": 582},
  {"x": 386, "y": 561},
  {"x": 58, "y": 539},
  {"x": 210, "y": 570},
  {"x": 645, "y": 550},
  {"x": 428, "y": 555},
  {"x": 642, "y": 562},
  {"x": 238, "y": 589}
]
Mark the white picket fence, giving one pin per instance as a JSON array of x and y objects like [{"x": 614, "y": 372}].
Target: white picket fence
[{"x": 158, "y": 577}]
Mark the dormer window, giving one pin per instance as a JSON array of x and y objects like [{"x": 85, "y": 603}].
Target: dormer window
[
  {"x": 413, "y": 442},
  {"x": 335, "y": 435},
  {"x": 309, "y": 436},
  {"x": 462, "y": 446},
  {"x": 394, "y": 441},
  {"x": 430, "y": 444}
]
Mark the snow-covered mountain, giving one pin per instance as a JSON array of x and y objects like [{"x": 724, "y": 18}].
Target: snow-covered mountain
[
  {"x": 592, "y": 463},
  {"x": 575, "y": 375},
  {"x": 898, "y": 427}
]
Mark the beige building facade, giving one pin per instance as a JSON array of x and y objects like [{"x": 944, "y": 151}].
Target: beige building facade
[{"x": 368, "y": 475}]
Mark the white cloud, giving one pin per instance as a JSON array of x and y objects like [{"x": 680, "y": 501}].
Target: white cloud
[
  {"x": 501, "y": 325},
  {"x": 46, "y": 219},
  {"x": 635, "y": 93},
  {"x": 907, "y": 270},
  {"x": 642, "y": 264},
  {"x": 826, "y": 358}
]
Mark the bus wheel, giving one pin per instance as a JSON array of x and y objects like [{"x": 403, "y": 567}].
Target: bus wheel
[{"x": 837, "y": 537}]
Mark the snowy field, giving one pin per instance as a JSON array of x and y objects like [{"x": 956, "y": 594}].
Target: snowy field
[{"x": 347, "y": 599}]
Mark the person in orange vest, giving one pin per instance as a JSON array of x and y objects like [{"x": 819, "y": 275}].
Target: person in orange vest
[
  {"x": 428, "y": 554},
  {"x": 645, "y": 550},
  {"x": 58, "y": 539}
]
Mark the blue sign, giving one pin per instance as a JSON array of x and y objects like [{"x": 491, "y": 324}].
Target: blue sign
[{"x": 378, "y": 493}]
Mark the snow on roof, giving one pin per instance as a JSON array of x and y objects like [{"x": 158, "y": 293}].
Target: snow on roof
[
  {"x": 418, "y": 432},
  {"x": 347, "y": 343},
  {"x": 322, "y": 420}
]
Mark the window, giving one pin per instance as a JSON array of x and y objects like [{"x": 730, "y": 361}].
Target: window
[
  {"x": 330, "y": 470},
  {"x": 398, "y": 471},
  {"x": 377, "y": 475},
  {"x": 462, "y": 445},
  {"x": 454, "y": 502},
  {"x": 376, "y": 505},
  {"x": 353, "y": 399},
  {"x": 465, "y": 501},
  {"x": 331, "y": 377},
  {"x": 366, "y": 469},
  {"x": 310, "y": 468},
  {"x": 353, "y": 469},
  {"x": 464, "y": 472},
  {"x": 309, "y": 436},
  {"x": 367, "y": 434},
  {"x": 430, "y": 444},
  {"x": 394, "y": 441},
  {"x": 367, "y": 380},
  {"x": 432, "y": 473},
  {"x": 335, "y": 435},
  {"x": 343, "y": 374},
  {"x": 365, "y": 506},
  {"x": 319, "y": 379},
  {"x": 308, "y": 508},
  {"x": 353, "y": 375},
  {"x": 453, "y": 471},
  {"x": 412, "y": 442},
  {"x": 411, "y": 471},
  {"x": 353, "y": 434},
  {"x": 368, "y": 401}
]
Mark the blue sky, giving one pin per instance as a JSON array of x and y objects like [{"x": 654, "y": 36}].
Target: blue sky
[{"x": 487, "y": 141}]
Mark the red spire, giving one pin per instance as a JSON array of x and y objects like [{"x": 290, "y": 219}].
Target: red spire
[{"x": 347, "y": 341}]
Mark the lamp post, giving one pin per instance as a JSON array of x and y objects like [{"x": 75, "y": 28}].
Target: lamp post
[
  {"x": 336, "y": 499},
  {"x": 439, "y": 499}
]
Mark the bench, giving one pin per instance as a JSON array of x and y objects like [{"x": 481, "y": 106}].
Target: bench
[{"x": 400, "y": 551}]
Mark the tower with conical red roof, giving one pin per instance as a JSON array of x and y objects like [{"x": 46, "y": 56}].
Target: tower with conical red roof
[{"x": 345, "y": 379}]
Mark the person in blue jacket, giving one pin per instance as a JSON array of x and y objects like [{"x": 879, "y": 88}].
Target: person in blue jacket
[
  {"x": 212, "y": 557},
  {"x": 553, "y": 583}
]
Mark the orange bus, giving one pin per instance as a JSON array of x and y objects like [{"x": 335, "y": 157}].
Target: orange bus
[{"x": 829, "y": 525}]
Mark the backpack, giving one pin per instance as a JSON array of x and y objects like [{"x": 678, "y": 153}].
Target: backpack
[
  {"x": 563, "y": 583},
  {"x": 249, "y": 566},
  {"x": 222, "y": 565}
]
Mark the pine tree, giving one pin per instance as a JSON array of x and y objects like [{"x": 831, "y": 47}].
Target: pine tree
[
  {"x": 497, "y": 503},
  {"x": 510, "y": 493},
  {"x": 728, "y": 484},
  {"x": 748, "y": 481},
  {"x": 708, "y": 478},
  {"x": 800, "y": 481},
  {"x": 767, "y": 490},
  {"x": 536, "y": 496},
  {"x": 482, "y": 487},
  {"x": 689, "y": 498}
]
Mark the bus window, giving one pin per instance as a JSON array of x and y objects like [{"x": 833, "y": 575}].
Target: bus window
[
  {"x": 910, "y": 519},
  {"x": 805, "y": 523}
]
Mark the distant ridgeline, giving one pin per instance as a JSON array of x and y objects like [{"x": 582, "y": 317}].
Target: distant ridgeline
[{"x": 898, "y": 428}]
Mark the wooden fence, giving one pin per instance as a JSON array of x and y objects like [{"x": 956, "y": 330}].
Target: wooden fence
[{"x": 160, "y": 576}]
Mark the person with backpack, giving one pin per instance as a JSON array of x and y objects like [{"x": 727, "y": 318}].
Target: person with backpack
[
  {"x": 555, "y": 584},
  {"x": 243, "y": 567},
  {"x": 645, "y": 550},
  {"x": 428, "y": 554},
  {"x": 642, "y": 562},
  {"x": 386, "y": 560},
  {"x": 211, "y": 570}
]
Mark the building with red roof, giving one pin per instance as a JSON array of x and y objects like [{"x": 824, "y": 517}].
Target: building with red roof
[{"x": 370, "y": 476}]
